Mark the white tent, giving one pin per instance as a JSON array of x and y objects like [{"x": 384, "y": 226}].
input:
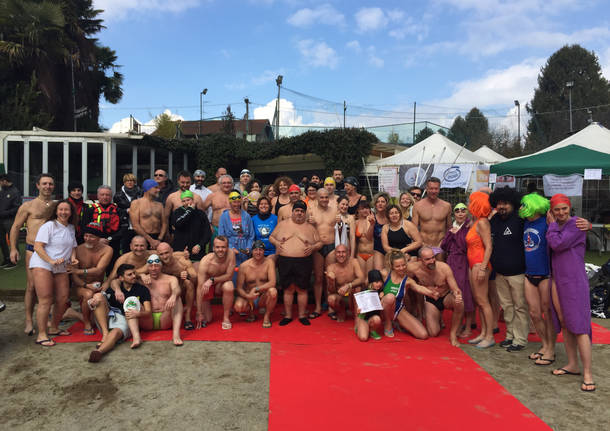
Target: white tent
[
  {"x": 490, "y": 155},
  {"x": 594, "y": 137},
  {"x": 434, "y": 149}
]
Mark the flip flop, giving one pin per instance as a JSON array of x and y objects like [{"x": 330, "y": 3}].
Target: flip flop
[
  {"x": 63, "y": 333},
  {"x": 48, "y": 340},
  {"x": 189, "y": 326},
  {"x": 563, "y": 372},
  {"x": 251, "y": 318},
  {"x": 546, "y": 361},
  {"x": 226, "y": 325},
  {"x": 332, "y": 315},
  {"x": 266, "y": 325},
  {"x": 388, "y": 333},
  {"x": 584, "y": 384},
  {"x": 315, "y": 315},
  {"x": 89, "y": 331},
  {"x": 304, "y": 321},
  {"x": 285, "y": 321},
  {"x": 535, "y": 356}
]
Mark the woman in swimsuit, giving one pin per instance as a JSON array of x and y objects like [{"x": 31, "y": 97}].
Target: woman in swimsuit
[
  {"x": 400, "y": 234},
  {"x": 478, "y": 243},
  {"x": 365, "y": 224},
  {"x": 537, "y": 269},
  {"x": 350, "y": 185},
  {"x": 380, "y": 200},
  {"x": 345, "y": 227},
  {"x": 395, "y": 288},
  {"x": 281, "y": 185},
  {"x": 406, "y": 203}
]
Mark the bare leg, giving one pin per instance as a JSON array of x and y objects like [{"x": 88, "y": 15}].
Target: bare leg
[
  {"x": 388, "y": 303},
  {"x": 189, "y": 298},
  {"x": 411, "y": 324},
  {"x": 302, "y": 302},
  {"x": 84, "y": 295},
  {"x": 432, "y": 316},
  {"x": 532, "y": 296},
  {"x": 271, "y": 296},
  {"x": 481, "y": 296},
  {"x": 227, "y": 300},
  {"x": 134, "y": 327},
  {"x": 62, "y": 289},
  {"x": 362, "y": 329},
  {"x": 584, "y": 348},
  {"x": 377, "y": 260},
  {"x": 30, "y": 295},
  {"x": 44, "y": 292},
  {"x": 176, "y": 322},
  {"x": 334, "y": 301},
  {"x": 318, "y": 270},
  {"x": 288, "y": 300}
]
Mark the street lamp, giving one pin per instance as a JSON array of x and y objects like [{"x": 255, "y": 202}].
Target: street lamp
[
  {"x": 278, "y": 81},
  {"x": 204, "y": 92},
  {"x": 570, "y": 84},
  {"x": 518, "y": 105}
]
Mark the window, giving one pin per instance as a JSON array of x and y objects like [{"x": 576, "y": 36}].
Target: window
[
  {"x": 143, "y": 164},
  {"x": 15, "y": 163},
  {"x": 95, "y": 168},
  {"x": 35, "y": 165},
  {"x": 123, "y": 163}
]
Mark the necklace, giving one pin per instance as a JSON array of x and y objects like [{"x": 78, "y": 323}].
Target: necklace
[{"x": 47, "y": 203}]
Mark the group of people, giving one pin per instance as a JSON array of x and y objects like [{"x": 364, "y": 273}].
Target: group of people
[{"x": 176, "y": 248}]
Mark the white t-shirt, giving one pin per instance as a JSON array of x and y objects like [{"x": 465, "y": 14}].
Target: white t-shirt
[
  {"x": 59, "y": 241},
  {"x": 204, "y": 192}
]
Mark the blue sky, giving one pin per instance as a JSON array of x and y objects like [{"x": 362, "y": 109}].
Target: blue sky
[{"x": 380, "y": 57}]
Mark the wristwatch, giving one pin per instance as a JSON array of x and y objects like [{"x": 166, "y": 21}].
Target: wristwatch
[{"x": 212, "y": 279}]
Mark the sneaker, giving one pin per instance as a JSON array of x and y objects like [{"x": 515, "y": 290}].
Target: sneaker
[
  {"x": 515, "y": 348},
  {"x": 6, "y": 262},
  {"x": 9, "y": 265},
  {"x": 506, "y": 343}
]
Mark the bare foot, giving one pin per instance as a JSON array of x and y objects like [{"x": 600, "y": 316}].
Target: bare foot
[
  {"x": 136, "y": 344},
  {"x": 454, "y": 342},
  {"x": 178, "y": 341},
  {"x": 464, "y": 334}
]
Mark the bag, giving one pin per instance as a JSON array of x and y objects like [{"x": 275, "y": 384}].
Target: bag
[{"x": 600, "y": 299}]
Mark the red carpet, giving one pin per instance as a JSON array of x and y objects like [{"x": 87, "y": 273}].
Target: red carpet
[{"x": 321, "y": 377}]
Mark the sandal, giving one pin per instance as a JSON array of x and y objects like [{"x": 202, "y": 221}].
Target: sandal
[
  {"x": 562, "y": 372},
  {"x": 48, "y": 340},
  {"x": 62, "y": 333},
  {"x": 544, "y": 361},
  {"x": 226, "y": 325},
  {"x": 251, "y": 318},
  {"x": 89, "y": 331},
  {"x": 332, "y": 315},
  {"x": 584, "y": 386},
  {"x": 189, "y": 326},
  {"x": 534, "y": 356},
  {"x": 388, "y": 333},
  {"x": 266, "y": 325},
  {"x": 314, "y": 315}
]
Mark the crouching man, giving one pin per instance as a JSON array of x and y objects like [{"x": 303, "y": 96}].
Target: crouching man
[{"x": 116, "y": 324}]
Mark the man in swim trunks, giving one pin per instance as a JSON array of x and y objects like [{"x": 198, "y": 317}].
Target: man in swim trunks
[
  {"x": 136, "y": 257},
  {"x": 182, "y": 268},
  {"x": 33, "y": 214},
  {"x": 294, "y": 193},
  {"x": 215, "y": 277},
  {"x": 94, "y": 257},
  {"x": 295, "y": 241},
  {"x": 146, "y": 215},
  {"x": 219, "y": 201},
  {"x": 432, "y": 216},
  {"x": 323, "y": 218},
  {"x": 256, "y": 285},
  {"x": 343, "y": 278},
  {"x": 165, "y": 300},
  {"x": 115, "y": 323},
  {"x": 437, "y": 276}
]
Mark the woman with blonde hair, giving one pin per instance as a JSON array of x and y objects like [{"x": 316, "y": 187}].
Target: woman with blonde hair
[{"x": 406, "y": 202}]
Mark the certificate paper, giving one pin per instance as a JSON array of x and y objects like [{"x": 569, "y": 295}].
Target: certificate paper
[{"x": 368, "y": 301}]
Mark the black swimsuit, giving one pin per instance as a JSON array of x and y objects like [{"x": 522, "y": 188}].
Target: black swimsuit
[
  {"x": 278, "y": 205},
  {"x": 399, "y": 239}
]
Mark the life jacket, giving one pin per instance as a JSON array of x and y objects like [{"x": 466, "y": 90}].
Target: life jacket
[
  {"x": 108, "y": 218},
  {"x": 78, "y": 209}
]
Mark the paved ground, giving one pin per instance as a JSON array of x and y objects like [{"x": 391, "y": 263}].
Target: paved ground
[{"x": 223, "y": 386}]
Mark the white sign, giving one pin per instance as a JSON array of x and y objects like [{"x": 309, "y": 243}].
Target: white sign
[
  {"x": 593, "y": 174},
  {"x": 492, "y": 178},
  {"x": 481, "y": 177},
  {"x": 570, "y": 185},
  {"x": 388, "y": 180},
  {"x": 453, "y": 176},
  {"x": 368, "y": 301},
  {"x": 506, "y": 181}
]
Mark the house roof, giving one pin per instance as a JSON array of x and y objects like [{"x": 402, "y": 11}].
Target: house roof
[{"x": 191, "y": 128}]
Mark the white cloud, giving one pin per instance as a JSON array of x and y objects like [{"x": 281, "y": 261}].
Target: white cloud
[
  {"x": 323, "y": 14},
  {"x": 371, "y": 19},
  {"x": 604, "y": 61},
  {"x": 373, "y": 58},
  {"x": 354, "y": 45},
  {"x": 288, "y": 113},
  {"x": 122, "y": 8},
  {"x": 318, "y": 54},
  {"x": 124, "y": 125}
]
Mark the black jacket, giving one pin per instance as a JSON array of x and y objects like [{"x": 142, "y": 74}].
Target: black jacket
[
  {"x": 10, "y": 201},
  {"x": 191, "y": 227},
  {"x": 123, "y": 204}
]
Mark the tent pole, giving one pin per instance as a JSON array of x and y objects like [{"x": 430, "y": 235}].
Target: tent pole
[
  {"x": 420, "y": 163},
  {"x": 459, "y": 153},
  {"x": 367, "y": 177}
]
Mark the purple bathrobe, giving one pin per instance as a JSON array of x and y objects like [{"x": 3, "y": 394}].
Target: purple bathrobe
[
  {"x": 454, "y": 244},
  {"x": 567, "y": 243}
]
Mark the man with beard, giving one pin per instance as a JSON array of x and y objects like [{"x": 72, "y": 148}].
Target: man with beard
[
  {"x": 216, "y": 186},
  {"x": 215, "y": 277},
  {"x": 200, "y": 189},
  {"x": 146, "y": 215},
  {"x": 191, "y": 227},
  {"x": 432, "y": 216},
  {"x": 174, "y": 201},
  {"x": 93, "y": 259},
  {"x": 295, "y": 241},
  {"x": 437, "y": 276},
  {"x": 33, "y": 214},
  {"x": 219, "y": 201},
  {"x": 136, "y": 257},
  {"x": 343, "y": 278},
  {"x": 294, "y": 193},
  {"x": 175, "y": 264},
  {"x": 338, "y": 177},
  {"x": 256, "y": 285},
  {"x": 106, "y": 214}
]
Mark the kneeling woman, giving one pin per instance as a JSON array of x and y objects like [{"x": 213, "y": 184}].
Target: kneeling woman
[
  {"x": 54, "y": 249},
  {"x": 392, "y": 298},
  {"x": 571, "y": 300}
]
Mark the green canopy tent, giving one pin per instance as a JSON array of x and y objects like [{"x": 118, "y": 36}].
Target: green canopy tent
[{"x": 572, "y": 159}]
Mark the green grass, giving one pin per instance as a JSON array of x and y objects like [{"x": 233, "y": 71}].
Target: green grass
[{"x": 594, "y": 257}]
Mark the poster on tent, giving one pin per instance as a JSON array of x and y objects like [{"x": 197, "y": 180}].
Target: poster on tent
[
  {"x": 413, "y": 175},
  {"x": 388, "y": 180},
  {"x": 481, "y": 177},
  {"x": 570, "y": 185},
  {"x": 453, "y": 176},
  {"x": 505, "y": 181}
]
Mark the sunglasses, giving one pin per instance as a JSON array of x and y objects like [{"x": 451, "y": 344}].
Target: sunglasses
[
  {"x": 235, "y": 198},
  {"x": 460, "y": 210},
  {"x": 416, "y": 195},
  {"x": 159, "y": 175},
  {"x": 153, "y": 260}
]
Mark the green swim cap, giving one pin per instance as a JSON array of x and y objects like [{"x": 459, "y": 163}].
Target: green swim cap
[
  {"x": 460, "y": 206},
  {"x": 186, "y": 194}
]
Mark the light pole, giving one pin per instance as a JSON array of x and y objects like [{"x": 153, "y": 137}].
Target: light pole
[
  {"x": 518, "y": 105},
  {"x": 204, "y": 92},
  {"x": 278, "y": 81},
  {"x": 570, "y": 84}
]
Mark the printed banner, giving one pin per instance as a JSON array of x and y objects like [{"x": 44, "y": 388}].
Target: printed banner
[
  {"x": 408, "y": 174},
  {"x": 505, "y": 181},
  {"x": 481, "y": 177},
  {"x": 453, "y": 176},
  {"x": 570, "y": 185},
  {"x": 388, "y": 180}
]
